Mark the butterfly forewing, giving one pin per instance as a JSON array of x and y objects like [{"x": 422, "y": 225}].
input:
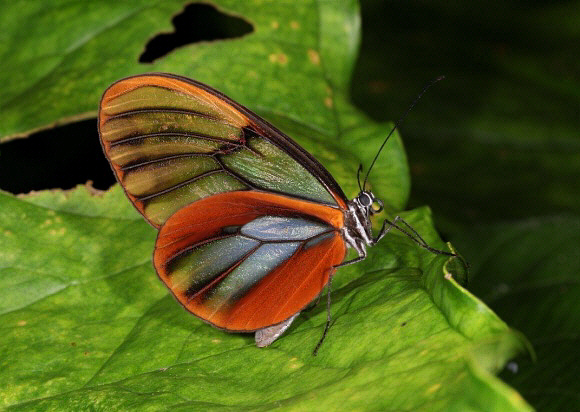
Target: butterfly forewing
[{"x": 172, "y": 141}]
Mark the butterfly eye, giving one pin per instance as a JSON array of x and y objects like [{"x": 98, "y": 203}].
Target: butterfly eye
[
  {"x": 377, "y": 206},
  {"x": 365, "y": 199}
]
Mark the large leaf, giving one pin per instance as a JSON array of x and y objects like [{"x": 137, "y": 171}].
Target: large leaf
[
  {"x": 87, "y": 323},
  {"x": 528, "y": 272}
]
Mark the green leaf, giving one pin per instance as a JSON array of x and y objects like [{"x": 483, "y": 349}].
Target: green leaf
[
  {"x": 528, "y": 273},
  {"x": 87, "y": 324},
  {"x": 315, "y": 41}
]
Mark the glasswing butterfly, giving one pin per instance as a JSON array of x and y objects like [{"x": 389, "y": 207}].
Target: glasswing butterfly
[{"x": 251, "y": 226}]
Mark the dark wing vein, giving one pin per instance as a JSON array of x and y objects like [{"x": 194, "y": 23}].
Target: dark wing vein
[
  {"x": 176, "y": 134},
  {"x": 130, "y": 113}
]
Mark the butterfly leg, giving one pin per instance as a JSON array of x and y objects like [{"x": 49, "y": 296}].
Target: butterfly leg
[
  {"x": 386, "y": 228},
  {"x": 266, "y": 336},
  {"x": 328, "y": 317},
  {"x": 360, "y": 248},
  {"x": 410, "y": 232}
]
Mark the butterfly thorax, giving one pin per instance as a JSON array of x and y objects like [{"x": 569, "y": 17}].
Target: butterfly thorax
[{"x": 357, "y": 230}]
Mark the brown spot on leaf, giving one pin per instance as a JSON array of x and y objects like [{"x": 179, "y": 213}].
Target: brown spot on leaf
[
  {"x": 314, "y": 57},
  {"x": 328, "y": 102},
  {"x": 279, "y": 58}
]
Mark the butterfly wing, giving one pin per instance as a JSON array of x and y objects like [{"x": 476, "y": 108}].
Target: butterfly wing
[
  {"x": 172, "y": 141},
  {"x": 246, "y": 260},
  {"x": 249, "y": 221}
]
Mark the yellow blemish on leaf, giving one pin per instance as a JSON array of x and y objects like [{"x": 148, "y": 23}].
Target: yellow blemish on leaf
[
  {"x": 22, "y": 323},
  {"x": 280, "y": 58},
  {"x": 295, "y": 25},
  {"x": 433, "y": 389},
  {"x": 51, "y": 213},
  {"x": 8, "y": 233},
  {"x": 58, "y": 219},
  {"x": 314, "y": 57},
  {"x": 59, "y": 232},
  {"x": 328, "y": 102},
  {"x": 275, "y": 24},
  {"x": 295, "y": 363},
  {"x": 423, "y": 352},
  {"x": 331, "y": 156},
  {"x": 216, "y": 341},
  {"x": 47, "y": 222}
]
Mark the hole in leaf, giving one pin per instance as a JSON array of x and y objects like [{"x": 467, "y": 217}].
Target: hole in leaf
[
  {"x": 62, "y": 157},
  {"x": 197, "y": 22}
]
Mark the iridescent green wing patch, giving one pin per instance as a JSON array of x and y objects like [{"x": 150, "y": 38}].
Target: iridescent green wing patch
[
  {"x": 172, "y": 141},
  {"x": 276, "y": 171}
]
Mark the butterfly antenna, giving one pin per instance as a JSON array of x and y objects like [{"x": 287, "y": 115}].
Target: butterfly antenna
[
  {"x": 360, "y": 168},
  {"x": 398, "y": 123}
]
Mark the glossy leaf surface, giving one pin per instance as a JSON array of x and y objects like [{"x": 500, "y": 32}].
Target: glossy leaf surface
[{"x": 87, "y": 322}]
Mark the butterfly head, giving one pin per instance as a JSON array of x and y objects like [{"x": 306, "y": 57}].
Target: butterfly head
[{"x": 367, "y": 201}]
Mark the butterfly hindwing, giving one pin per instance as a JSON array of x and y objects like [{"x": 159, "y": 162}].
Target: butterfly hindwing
[
  {"x": 247, "y": 260},
  {"x": 172, "y": 141}
]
